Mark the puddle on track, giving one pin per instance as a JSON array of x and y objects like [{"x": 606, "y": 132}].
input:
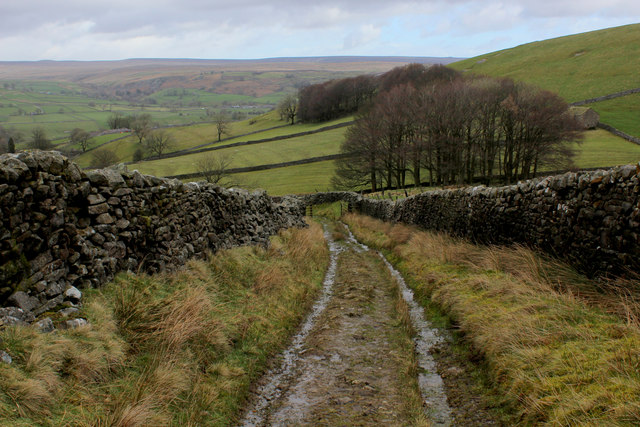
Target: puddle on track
[
  {"x": 272, "y": 389},
  {"x": 270, "y": 406},
  {"x": 430, "y": 382}
]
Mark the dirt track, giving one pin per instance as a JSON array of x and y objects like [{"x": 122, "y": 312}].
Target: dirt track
[{"x": 353, "y": 363}]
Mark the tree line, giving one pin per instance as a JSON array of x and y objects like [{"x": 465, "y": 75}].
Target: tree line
[
  {"x": 431, "y": 123},
  {"x": 335, "y": 98}
]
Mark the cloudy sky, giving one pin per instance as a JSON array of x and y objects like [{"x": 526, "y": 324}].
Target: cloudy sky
[{"x": 119, "y": 29}]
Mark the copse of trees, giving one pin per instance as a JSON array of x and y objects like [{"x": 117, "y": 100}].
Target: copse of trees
[
  {"x": 417, "y": 75},
  {"x": 118, "y": 120},
  {"x": 335, "y": 98},
  {"x": 456, "y": 130}
]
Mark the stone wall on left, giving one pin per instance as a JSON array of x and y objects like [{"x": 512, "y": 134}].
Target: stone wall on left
[{"x": 63, "y": 229}]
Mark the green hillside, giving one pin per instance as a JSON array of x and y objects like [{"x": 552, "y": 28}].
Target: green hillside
[{"x": 577, "y": 67}]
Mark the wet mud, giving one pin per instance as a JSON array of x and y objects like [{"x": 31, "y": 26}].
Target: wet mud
[{"x": 344, "y": 366}]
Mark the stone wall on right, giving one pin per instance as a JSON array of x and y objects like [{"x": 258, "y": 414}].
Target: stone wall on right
[{"x": 591, "y": 219}]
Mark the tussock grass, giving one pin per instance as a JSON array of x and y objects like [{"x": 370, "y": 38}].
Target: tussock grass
[
  {"x": 561, "y": 349},
  {"x": 408, "y": 366},
  {"x": 171, "y": 349}
]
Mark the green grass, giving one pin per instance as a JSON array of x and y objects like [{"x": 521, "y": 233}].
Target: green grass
[
  {"x": 577, "y": 67},
  {"x": 63, "y": 112},
  {"x": 172, "y": 349},
  {"x": 324, "y": 143},
  {"x": 300, "y": 179},
  {"x": 281, "y": 131},
  {"x": 198, "y": 96},
  {"x": 602, "y": 149},
  {"x": 186, "y": 137},
  {"x": 622, "y": 113}
]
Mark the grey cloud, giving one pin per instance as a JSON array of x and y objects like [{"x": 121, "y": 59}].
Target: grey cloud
[
  {"x": 325, "y": 25},
  {"x": 116, "y": 15}
]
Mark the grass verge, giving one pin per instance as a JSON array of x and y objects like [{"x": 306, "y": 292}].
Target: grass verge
[
  {"x": 557, "y": 357},
  {"x": 171, "y": 349}
]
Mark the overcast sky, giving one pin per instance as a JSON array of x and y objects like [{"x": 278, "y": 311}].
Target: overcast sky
[{"x": 213, "y": 29}]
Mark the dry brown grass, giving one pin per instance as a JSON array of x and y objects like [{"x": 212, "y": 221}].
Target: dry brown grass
[
  {"x": 174, "y": 349},
  {"x": 542, "y": 329}
]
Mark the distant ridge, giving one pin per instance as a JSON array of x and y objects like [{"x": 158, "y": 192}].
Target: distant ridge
[
  {"x": 119, "y": 71},
  {"x": 338, "y": 59},
  {"x": 201, "y": 61}
]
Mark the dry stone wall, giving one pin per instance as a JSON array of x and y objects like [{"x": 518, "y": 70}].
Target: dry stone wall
[
  {"x": 62, "y": 229},
  {"x": 590, "y": 218}
]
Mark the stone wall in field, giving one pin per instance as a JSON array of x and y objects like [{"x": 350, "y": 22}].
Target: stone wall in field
[
  {"x": 590, "y": 218},
  {"x": 62, "y": 229}
]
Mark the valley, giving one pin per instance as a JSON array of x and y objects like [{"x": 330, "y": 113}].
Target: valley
[{"x": 144, "y": 281}]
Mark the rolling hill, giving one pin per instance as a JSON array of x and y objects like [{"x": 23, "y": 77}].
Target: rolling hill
[{"x": 577, "y": 67}]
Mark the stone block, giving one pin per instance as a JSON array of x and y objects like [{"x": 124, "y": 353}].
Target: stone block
[
  {"x": 95, "y": 199},
  {"x": 104, "y": 218},
  {"x": 98, "y": 209},
  {"x": 73, "y": 294},
  {"x": 45, "y": 325},
  {"x": 23, "y": 301}
]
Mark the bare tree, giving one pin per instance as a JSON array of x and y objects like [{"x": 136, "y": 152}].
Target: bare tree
[
  {"x": 159, "y": 141},
  {"x": 222, "y": 124},
  {"x": 80, "y": 137},
  {"x": 141, "y": 126},
  {"x": 288, "y": 108},
  {"x": 39, "y": 139},
  {"x": 363, "y": 163},
  {"x": 103, "y": 158},
  {"x": 457, "y": 129},
  {"x": 214, "y": 167}
]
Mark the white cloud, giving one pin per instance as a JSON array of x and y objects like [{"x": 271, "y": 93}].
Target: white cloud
[{"x": 366, "y": 34}]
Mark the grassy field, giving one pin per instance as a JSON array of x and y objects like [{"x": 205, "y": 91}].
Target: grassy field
[
  {"x": 300, "y": 179},
  {"x": 601, "y": 149},
  {"x": 172, "y": 349},
  {"x": 58, "y": 110},
  {"x": 186, "y": 137},
  {"x": 285, "y": 150},
  {"x": 577, "y": 67},
  {"x": 62, "y": 96},
  {"x": 621, "y": 113},
  {"x": 557, "y": 348}
]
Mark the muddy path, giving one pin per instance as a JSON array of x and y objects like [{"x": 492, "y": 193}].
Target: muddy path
[{"x": 362, "y": 357}]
